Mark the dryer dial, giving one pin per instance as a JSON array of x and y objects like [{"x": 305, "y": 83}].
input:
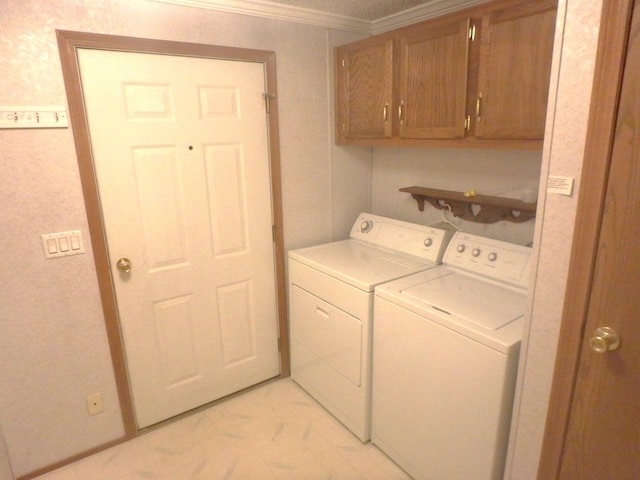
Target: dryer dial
[
  {"x": 428, "y": 242},
  {"x": 366, "y": 226},
  {"x": 460, "y": 248},
  {"x": 476, "y": 252}
]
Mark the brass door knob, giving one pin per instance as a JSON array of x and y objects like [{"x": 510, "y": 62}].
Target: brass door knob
[
  {"x": 604, "y": 340},
  {"x": 124, "y": 265}
]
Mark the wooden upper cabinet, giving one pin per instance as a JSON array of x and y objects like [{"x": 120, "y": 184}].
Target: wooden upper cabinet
[
  {"x": 477, "y": 78},
  {"x": 515, "y": 64},
  {"x": 364, "y": 88},
  {"x": 433, "y": 81}
]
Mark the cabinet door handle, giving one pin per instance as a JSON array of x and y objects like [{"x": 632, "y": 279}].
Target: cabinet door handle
[
  {"x": 400, "y": 111},
  {"x": 385, "y": 113},
  {"x": 479, "y": 105}
]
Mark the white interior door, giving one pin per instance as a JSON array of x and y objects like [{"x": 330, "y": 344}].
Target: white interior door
[{"x": 181, "y": 156}]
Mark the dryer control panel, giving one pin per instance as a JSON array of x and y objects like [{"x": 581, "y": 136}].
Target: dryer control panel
[
  {"x": 495, "y": 259},
  {"x": 421, "y": 241}
]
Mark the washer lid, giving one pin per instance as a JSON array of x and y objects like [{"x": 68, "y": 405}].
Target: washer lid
[
  {"x": 487, "y": 305},
  {"x": 359, "y": 264}
]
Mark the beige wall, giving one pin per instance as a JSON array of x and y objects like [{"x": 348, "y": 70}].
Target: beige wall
[
  {"x": 504, "y": 173},
  {"x": 571, "y": 80},
  {"x": 53, "y": 346}
]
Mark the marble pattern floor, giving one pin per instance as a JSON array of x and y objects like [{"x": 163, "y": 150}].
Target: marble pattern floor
[{"x": 273, "y": 432}]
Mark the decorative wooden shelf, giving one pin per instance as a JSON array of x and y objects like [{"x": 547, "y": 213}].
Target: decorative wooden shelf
[{"x": 477, "y": 208}]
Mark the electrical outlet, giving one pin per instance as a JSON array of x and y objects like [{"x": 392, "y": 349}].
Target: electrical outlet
[{"x": 94, "y": 403}]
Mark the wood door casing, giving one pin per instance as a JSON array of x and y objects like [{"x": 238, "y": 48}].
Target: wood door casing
[
  {"x": 69, "y": 42},
  {"x": 513, "y": 83},
  {"x": 606, "y": 221}
]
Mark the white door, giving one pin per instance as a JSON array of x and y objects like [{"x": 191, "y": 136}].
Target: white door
[{"x": 181, "y": 157}]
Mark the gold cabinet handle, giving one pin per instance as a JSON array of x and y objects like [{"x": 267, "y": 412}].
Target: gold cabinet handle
[
  {"x": 385, "y": 112},
  {"x": 124, "y": 265},
  {"x": 400, "y": 111},
  {"x": 479, "y": 105}
]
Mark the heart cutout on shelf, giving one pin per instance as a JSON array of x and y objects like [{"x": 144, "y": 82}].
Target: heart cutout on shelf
[{"x": 475, "y": 209}]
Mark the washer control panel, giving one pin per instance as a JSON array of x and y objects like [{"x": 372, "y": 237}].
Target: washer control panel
[
  {"x": 422, "y": 241},
  {"x": 498, "y": 260}
]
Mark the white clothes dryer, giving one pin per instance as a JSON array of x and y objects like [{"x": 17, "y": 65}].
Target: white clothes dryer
[
  {"x": 331, "y": 308},
  {"x": 445, "y": 355}
]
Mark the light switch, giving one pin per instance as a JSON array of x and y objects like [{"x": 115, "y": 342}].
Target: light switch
[
  {"x": 62, "y": 244},
  {"x": 75, "y": 242},
  {"x": 52, "y": 245}
]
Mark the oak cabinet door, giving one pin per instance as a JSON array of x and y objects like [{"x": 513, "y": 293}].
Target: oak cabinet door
[
  {"x": 515, "y": 64},
  {"x": 364, "y": 89},
  {"x": 433, "y": 81}
]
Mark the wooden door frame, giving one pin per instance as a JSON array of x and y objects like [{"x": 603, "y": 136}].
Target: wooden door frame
[
  {"x": 610, "y": 58},
  {"x": 69, "y": 42}
]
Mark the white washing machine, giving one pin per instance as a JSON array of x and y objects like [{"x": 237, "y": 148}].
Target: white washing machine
[
  {"x": 331, "y": 308},
  {"x": 445, "y": 355}
]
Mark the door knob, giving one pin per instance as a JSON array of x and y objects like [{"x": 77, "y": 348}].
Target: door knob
[
  {"x": 604, "y": 339},
  {"x": 124, "y": 265}
]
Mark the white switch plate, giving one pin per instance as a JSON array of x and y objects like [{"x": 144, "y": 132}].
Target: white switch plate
[
  {"x": 94, "y": 403},
  {"x": 62, "y": 244}
]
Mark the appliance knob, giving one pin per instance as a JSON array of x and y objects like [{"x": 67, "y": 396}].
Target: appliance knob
[
  {"x": 428, "y": 242},
  {"x": 366, "y": 226},
  {"x": 460, "y": 248},
  {"x": 493, "y": 257},
  {"x": 475, "y": 252}
]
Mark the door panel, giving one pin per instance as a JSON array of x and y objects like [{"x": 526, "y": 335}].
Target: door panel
[{"x": 181, "y": 157}]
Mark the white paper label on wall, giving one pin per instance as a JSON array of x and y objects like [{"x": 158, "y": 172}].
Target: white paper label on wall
[{"x": 561, "y": 185}]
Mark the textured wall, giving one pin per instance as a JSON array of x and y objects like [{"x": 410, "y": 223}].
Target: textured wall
[
  {"x": 53, "y": 346},
  {"x": 575, "y": 49},
  {"x": 513, "y": 174}
]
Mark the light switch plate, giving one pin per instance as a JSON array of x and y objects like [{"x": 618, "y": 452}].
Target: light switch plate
[{"x": 62, "y": 244}]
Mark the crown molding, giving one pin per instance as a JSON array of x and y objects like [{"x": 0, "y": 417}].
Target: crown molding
[
  {"x": 433, "y": 9},
  {"x": 288, "y": 13}
]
